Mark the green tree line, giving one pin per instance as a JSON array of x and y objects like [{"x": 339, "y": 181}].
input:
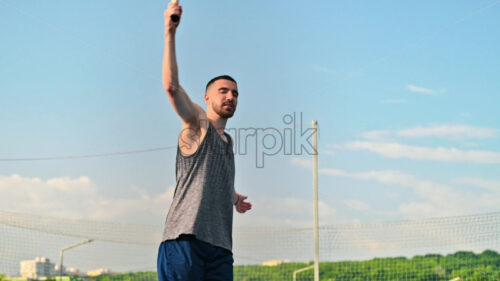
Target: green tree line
[{"x": 467, "y": 266}]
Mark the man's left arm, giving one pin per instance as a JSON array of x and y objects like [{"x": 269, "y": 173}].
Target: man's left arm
[{"x": 239, "y": 203}]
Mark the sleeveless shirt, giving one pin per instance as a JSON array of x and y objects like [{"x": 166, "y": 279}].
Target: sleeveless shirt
[{"x": 203, "y": 197}]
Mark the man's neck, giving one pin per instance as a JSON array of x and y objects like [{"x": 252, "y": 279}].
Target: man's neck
[{"x": 218, "y": 123}]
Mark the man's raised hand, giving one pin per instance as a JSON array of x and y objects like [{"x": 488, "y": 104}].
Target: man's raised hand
[
  {"x": 173, "y": 10},
  {"x": 240, "y": 205}
]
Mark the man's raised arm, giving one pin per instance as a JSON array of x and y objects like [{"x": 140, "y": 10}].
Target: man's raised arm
[{"x": 179, "y": 99}]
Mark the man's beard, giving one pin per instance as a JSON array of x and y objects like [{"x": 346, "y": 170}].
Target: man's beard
[{"x": 225, "y": 113}]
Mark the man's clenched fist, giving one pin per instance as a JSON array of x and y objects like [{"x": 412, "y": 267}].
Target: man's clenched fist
[
  {"x": 173, "y": 9},
  {"x": 239, "y": 203}
]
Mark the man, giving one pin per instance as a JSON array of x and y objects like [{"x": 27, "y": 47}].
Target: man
[{"x": 197, "y": 241}]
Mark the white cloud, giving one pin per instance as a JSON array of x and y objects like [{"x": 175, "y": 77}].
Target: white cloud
[
  {"x": 443, "y": 200},
  {"x": 492, "y": 185},
  {"x": 357, "y": 205},
  {"x": 392, "y": 195},
  {"x": 285, "y": 212},
  {"x": 384, "y": 176},
  {"x": 376, "y": 135},
  {"x": 80, "y": 198},
  {"x": 421, "y": 90},
  {"x": 302, "y": 162},
  {"x": 398, "y": 150},
  {"x": 432, "y": 199},
  {"x": 449, "y": 131},
  {"x": 328, "y": 152}
]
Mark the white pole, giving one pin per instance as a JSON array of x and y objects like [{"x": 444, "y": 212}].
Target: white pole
[
  {"x": 67, "y": 248},
  {"x": 61, "y": 265},
  {"x": 300, "y": 270},
  {"x": 315, "y": 186}
]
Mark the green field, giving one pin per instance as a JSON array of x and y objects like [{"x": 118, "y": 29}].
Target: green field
[
  {"x": 64, "y": 278},
  {"x": 466, "y": 265}
]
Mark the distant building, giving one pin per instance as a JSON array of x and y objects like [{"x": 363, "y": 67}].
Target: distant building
[
  {"x": 37, "y": 268},
  {"x": 274, "y": 262},
  {"x": 98, "y": 272},
  {"x": 72, "y": 271},
  {"x": 57, "y": 268}
]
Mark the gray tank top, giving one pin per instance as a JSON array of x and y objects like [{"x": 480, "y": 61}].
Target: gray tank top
[{"x": 202, "y": 203}]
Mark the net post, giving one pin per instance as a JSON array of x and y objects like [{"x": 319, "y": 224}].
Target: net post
[{"x": 315, "y": 187}]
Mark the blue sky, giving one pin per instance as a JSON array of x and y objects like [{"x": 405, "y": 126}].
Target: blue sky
[{"x": 406, "y": 96}]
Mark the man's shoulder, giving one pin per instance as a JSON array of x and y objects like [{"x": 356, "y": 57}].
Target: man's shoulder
[{"x": 201, "y": 121}]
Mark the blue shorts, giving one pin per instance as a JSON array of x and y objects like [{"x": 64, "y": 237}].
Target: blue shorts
[{"x": 189, "y": 259}]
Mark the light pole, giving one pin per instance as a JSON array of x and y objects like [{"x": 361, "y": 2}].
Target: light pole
[
  {"x": 315, "y": 187},
  {"x": 315, "y": 265},
  {"x": 300, "y": 270},
  {"x": 67, "y": 248}
]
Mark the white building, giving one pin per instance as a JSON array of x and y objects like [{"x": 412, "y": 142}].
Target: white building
[
  {"x": 274, "y": 262},
  {"x": 39, "y": 267},
  {"x": 72, "y": 271},
  {"x": 98, "y": 272},
  {"x": 57, "y": 268}
]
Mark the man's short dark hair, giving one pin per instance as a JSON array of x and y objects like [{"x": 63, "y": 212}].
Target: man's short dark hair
[{"x": 225, "y": 77}]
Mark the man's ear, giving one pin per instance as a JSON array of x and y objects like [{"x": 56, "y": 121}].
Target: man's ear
[{"x": 205, "y": 97}]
